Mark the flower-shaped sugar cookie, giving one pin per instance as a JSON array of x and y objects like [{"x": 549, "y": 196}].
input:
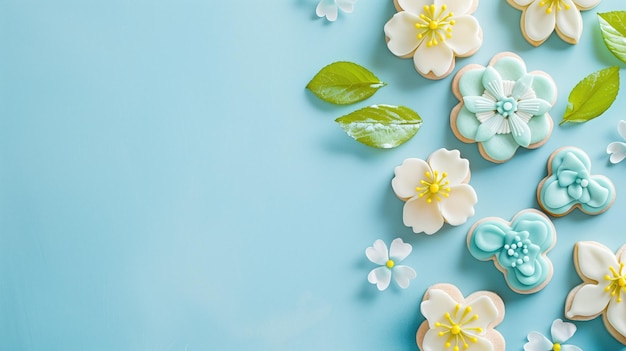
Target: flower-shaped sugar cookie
[
  {"x": 518, "y": 248},
  {"x": 502, "y": 107},
  {"x": 570, "y": 185},
  {"x": 541, "y": 17},
  {"x": 435, "y": 191},
  {"x": 433, "y": 33},
  {"x": 457, "y": 323},
  {"x": 603, "y": 291}
]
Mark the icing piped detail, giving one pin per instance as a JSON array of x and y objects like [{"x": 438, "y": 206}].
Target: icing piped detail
[
  {"x": 502, "y": 107},
  {"x": 603, "y": 287},
  {"x": 518, "y": 248},
  {"x": 455, "y": 323},
  {"x": 542, "y": 17},
  {"x": 433, "y": 33},
  {"x": 570, "y": 184}
]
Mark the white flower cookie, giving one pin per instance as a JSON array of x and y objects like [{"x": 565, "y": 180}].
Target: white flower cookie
[
  {"x": 542, "y": 17},
  {"x": 433, "y": 33}
]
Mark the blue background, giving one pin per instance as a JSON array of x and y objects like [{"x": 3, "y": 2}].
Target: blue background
[{"x": 167, "y": 183}]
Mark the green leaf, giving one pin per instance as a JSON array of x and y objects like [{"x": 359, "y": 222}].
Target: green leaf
[
  {"x": 592, "y": 96},
  {"x": 344, "y": 83},
  {"x": 613, "y": 27},
  {"x": 381, "y": 126}
]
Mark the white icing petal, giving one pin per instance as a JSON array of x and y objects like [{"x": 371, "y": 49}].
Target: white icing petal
[
  {"x": 434, "y": 342},
  {"x": 594, "y": 260},
  {"x": 621, "y": 129},
  {"x": 569, "y": 21},
  {"x": 437, "y": 59},
  {"x": 459, "y": 205},
  {"x": 570, "y": 348},
  {"x": 586, "y": 4},
  {"x": 486, "y": 310},
  {"x": 489, "y": 128},
  {"x": 422, "y": 216},
  {"x": 538, "y": 24},
  {"x": 477, "y": 104},
  {"x": 465, "y": 38},
  {"x": 622, "y": 257},
  {"x": 616, "y": 315},
  {"x": 346, "y": 5},
  {"x": 408, "y": 176},
  {"x": 590, "y": 300},
  {"x": 327, "y": 8},
  {"x": 450, "y": 161},
  {"x": 562, "y": 331},
  {"x": 399, "y": 250},
  {"x": 414, "y": 6},
  {"x": 534, "y": 107},
  {"x": 537, "y": 342},
  {"x": 403, "y": 275},
  {"x": 377, "y": 253},
  {"x": 617, "y": 150},
  {"x": 438, "y": 304},
  {"x": 458, "y": 7},
  {"x": 402, "y": 34},
  {"x": 380, "y": 276}
]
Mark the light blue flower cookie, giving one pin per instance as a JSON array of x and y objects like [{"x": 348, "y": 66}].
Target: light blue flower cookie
[
  {"x": 517, "y": 248},
  {"x": 570, "y": 185},
  {"x": 502, "y": 107}
]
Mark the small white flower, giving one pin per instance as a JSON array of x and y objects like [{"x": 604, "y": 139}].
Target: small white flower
[
  {"x": 617, "y": 149},
  {"x": 381, "y": 276},
  {"x": 560, "y": 332},
  {"x": 329, "y": 8}
]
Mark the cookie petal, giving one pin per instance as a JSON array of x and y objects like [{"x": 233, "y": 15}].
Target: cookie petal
[
  {"x": 459, "y": 205},
  {"x": 590, "y": 300},
  {"x": 594, "y": 260},
  {"x": 562, "y": 331},
  {"x": 402, "y": 34},
  {"x": 569, "y": 22},
  {"x": 465, "y": 36},
  {"x": 380, "y": 276},
  {"x": 414, "y": 6},
  {"x": 408, "y": 176},
  {"x": 377, "y": 253},
  {"x": 450, "y": 162},
  {"x": 437, "y": 59},
  {"x": 399, "y": 250},
  {"x": 616, "y": 315},
  {"x": 403, "y": 275},
  {"x": 538, "y": 24},
  {"x": 422, "y": 216}
]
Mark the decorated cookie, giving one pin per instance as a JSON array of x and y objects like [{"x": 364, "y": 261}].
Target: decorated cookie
[
  {"x": 603, "y": 291},
  {"x": 541, "y": 17},
  {"x": 433, "y": 33},
  {"x": 455, "y": 323},
  {"x": 435, "y": 191},
  {"x": 502, "y": 107},
  {"x": 517, "y": 248},
  {"x": 570, "y": 185}
]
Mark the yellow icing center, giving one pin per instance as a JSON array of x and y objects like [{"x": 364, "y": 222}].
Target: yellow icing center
[
  {"x": 434, "y": 26},
  {"x": 556, "y": 347},
  {"x": 455, "y": 330},
  {"x": 390, "y": 264},
  {"x": 556, "y": 4},
  {"x": 617, "y": 282},
  {"x": 434, "y": 186}
]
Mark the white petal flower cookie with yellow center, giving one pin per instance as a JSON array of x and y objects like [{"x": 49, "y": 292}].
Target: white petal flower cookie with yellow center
[
  {"x": 542, "y": 17},
  {"x": 455, "y": 323},
  {"x": 433, "y": 33},
  {"x": 435, "y": 191}
]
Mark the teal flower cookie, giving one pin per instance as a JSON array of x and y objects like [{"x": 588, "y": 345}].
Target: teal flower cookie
[
  {"x": 570, "y": 185},
  {"x": 518, "y": 248},
  {"x": 502, "y": 107}
]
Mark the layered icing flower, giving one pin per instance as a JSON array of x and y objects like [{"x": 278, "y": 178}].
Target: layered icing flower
[
  {"x": 560, "y": 333},
  {"x": 603, "y": 291},
  {"x": 433, "y": 33},
  {"x": 617, "y": 149},
  {"x": 541, "y": 17},
  {"x": 457, "y": 323},
  {"x": 518, "y": 248},
  {"x": 570, "y": 184},
  {"x": 388, "y": 260},
  {"x": 435, "y": 191},
  {"x": 502, "y": 107},
  {"x": 330, "y": 8}
]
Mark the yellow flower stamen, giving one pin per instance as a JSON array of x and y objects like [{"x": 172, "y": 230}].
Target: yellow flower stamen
[
  {"x": 617, "y": 282},
  {"x": 434, "y": 24},
  {"x": 434, "y": 186}
]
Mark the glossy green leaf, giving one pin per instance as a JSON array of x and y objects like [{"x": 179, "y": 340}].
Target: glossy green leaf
[
  {"x": 344, "y": 83},
  {"x": 592, "y": 96},
  {"x": 381, "y": 126},
  {"x": 613, "y": 27}
]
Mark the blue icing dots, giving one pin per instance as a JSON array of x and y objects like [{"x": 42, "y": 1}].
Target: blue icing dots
[{"x": 517, "y": 248}]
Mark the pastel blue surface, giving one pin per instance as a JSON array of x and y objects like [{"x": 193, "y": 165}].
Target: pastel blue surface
[{"x": 167, "y": 183}]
